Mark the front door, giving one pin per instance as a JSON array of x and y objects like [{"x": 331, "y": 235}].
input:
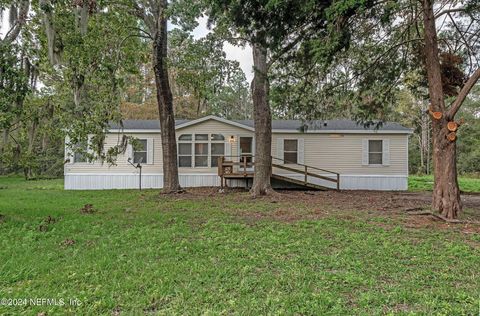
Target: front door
[{"x": 246, "y": 150}]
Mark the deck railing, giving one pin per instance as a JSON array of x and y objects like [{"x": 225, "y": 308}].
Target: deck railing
[{"x": 242, "y": 166}]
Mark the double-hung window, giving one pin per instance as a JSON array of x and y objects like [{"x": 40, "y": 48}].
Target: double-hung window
[
  {"x": 140, "y": 153},
  {"x": 375, "y": 152},
  {"x": 80, "y": 153},
  {"x": 290, "y": 151}
]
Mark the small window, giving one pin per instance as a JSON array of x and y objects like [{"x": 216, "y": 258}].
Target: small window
[
  {"x": 79, "y": 154},
  {"x": 375, "y": 152},
  {"x": 217, "y": 137},
  {"x": 290, "y": 151},
  {"x": 185, "y": 137},
  {"x": 185, "y": 155},
  {"x": 201, "y": 137},
  {"x": 140, "y": 153},
  {"x": 79, "y": 157}
]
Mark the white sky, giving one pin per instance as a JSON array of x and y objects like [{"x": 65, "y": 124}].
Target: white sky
[{"x": 242, "y": 55}]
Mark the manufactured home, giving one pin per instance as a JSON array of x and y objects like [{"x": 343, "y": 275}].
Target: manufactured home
[{"x": 213, "y": 151}]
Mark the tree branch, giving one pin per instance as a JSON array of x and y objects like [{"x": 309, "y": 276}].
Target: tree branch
[
  {"x": 463, "y": 94},
  {"x": 142, "y": 14},
  {"x": 286, "y": 48},
  {"x": 448, "y": 11},
  {"x": 13, "y": 33}
]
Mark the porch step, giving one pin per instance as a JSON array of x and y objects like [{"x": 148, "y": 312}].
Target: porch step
[{"x": 300, "y": 183}]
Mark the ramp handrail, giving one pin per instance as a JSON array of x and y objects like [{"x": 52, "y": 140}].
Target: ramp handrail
[
  {"x": 308, "y": 173},
  {"x": 227, "y": 167}
]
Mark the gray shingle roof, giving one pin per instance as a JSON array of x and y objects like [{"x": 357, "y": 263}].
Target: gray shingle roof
[
  {"x": 328, "y": 125},
  {"x": 142, "y": 124},
  {"x": 290, "y": 125}
]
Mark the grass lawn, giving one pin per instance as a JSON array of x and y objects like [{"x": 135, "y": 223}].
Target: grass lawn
[
  {"x": 425, "y": 183},
  {"x": 208, "y": 253}
]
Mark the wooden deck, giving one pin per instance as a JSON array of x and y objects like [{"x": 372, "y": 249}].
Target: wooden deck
[{"x": 243, "y": 169}]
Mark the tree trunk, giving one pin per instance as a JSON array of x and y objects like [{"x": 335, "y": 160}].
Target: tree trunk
[
  {"x": 262, "y": 118},
  {"x": 446, "y": 194},
  {"x": 422, "y": 159},
  {"x": 165, "y": 106}
]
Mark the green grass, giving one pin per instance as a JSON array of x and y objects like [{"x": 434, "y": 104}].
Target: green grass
[
  {"x": 143, "y": 253},
  {"x": 425, "y": 183}
]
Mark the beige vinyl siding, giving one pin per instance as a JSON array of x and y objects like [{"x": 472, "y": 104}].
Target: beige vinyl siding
[
  {"x": 210, "y": 127},
  {"x": 122, "y": 166},
  {"x": 338, "y": 153},
  {"x": 343, "y": 153}
]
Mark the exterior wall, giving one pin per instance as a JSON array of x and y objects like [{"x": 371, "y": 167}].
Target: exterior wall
[
  {"x": 122, "y": 166},
  {"x": 341, "y": 153}
]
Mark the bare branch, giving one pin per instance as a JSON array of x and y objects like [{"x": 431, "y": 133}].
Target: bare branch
[
  {"x": 448, "y": 11},
  {"x": 145, "y": 35},
  {"x": 463, "y": 94},
  {"x": 469, "y": 48}
]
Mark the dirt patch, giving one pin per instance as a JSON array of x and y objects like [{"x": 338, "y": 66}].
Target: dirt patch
[
  {"x": 116, "y": 311},
  {"x": 49, "y": 220},
  {"x": 3, "y": 218},
  {"x": 67, "y": 243},
  {"x": 88, "y": 209},
  {"x": 385, "y": 209}
]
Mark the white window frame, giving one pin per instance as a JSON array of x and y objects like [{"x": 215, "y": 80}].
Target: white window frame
[
  {"x": 74, "y": 154},
  {"x": 209, "y": 143},
  {"x": 145, "y": 162},
  {"x": 375, "y": 152},
  {"x": 194, "y": 153},
  {"x": 385, "y": 152},
  {"x": 192, "y": 148},
  {"x": 288, "y": 151}
]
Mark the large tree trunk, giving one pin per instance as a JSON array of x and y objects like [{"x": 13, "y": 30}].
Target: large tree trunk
[
  {"x": 165, "y": 106},
  {"x": 446, "y": 194},
  {"x": 262, "y": 118}
]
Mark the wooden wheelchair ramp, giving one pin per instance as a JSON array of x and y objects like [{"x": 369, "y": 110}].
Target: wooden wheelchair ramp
[{"x": 297, "y": 174}]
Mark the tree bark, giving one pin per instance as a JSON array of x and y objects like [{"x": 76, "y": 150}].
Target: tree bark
[
  {"x": 165, "y": 104},
  {"x": 262, "y": 118},
  {"x": 446, "y": 193}
]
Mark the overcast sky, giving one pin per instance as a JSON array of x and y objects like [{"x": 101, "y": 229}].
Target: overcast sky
[{"x": 242, "y": 55}]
